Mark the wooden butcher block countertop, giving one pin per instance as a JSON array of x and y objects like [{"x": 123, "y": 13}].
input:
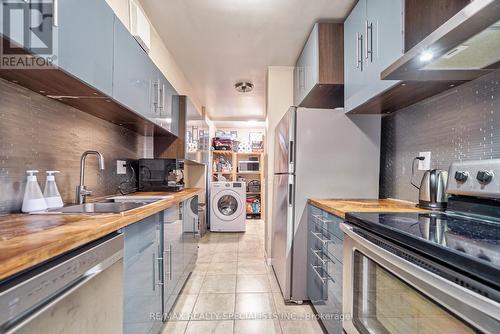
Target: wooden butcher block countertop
[
  {"x": 339, "y": 207},
  {"x": 28, "y": 240}
]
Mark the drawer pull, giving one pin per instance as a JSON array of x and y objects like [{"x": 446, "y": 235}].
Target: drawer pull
[
  {"x": 324, "y": 221},
  {"x": 316, "y": 251},
  {"x": 324, "y": 241},
  {"x": 323, "y": 279}
]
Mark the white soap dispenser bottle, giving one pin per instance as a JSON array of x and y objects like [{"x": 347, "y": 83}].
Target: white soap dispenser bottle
[
  {"x": 51, "y": 193},
  {"x": 33, "y": 197}
]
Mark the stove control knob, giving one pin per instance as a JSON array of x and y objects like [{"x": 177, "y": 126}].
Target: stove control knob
[
  {"x": 461, "y": 176},
  {"x": 484, "y": 176}
]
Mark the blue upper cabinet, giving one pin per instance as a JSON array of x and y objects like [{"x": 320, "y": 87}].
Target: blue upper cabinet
[
  {"x": 354, "y": 64},
  {"x": 85, "y": 41},
  {"x": 135, "y": 77},
  {"x": 80, "y": 38},
  {"x": 164, "y": 95},
  {"x": 319, "y": 70},
  {"x": 373, "y": 40}
]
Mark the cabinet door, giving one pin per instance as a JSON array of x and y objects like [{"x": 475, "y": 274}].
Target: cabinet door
[
  {"x": 384, "y": 42},
  {"x": 190, "y": 233},
  {"x": 165, "y": 94},
  {"x": 85, "y": 48},
  {"x": 134, "y": 74},
  {"x": 307, "y": 66},
  {"x": 354, "y": 69},
  {"x": 142, "y": 275},
  {"x": 172, "y": 255}
]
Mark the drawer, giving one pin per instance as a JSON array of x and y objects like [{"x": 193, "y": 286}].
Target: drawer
[
  {"x": 321, "y": 239},
  {"x": 328, "y": 221}
]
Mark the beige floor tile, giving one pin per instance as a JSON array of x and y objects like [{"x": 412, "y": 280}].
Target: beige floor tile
[
  {"x": 201, "y": 268},
  {"x": 183, "y": 307},
  {"x": 292, "y": 311},
  {"x": 225, "y": 257},
  {"x": 273, "y": 282},
  {"x": 222, "y": 268},
  {"x": 193, "y": 284},
  {"x": 301, "y": 327},
  {"x": 254, "y": 305},
  {"x": 212, "y": 327},
  {"x": 219, "y": 284},
  {"x": 224, "y": 248},
  {"x": 252, "y": 267},
  {"x": 252, "y": 283},
  {"x": 214, "y": 306},
  {"x": 250, "y": 256},
  {"x": 204, "y": 257},
  {"x": 175, "y": 327},
  {"x": 257, "y": 327}
]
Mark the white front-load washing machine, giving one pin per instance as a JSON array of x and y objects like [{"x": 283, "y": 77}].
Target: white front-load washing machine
[{"x": 228, "y": 207}]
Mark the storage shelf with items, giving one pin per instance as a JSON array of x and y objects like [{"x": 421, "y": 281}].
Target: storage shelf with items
[
  {"x": 249, "y": 170},
  {"x": 223, "y": 163}
]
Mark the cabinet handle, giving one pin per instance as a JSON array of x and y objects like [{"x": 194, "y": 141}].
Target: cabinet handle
[
  {"x": 169, "y": 251},
  {"x": 154, "y": 273},
  {"x": 316, "y": 251},
  {"x": 369, "y": 41},
  {"x": 323, "y": 279},
  {"x": 155, "y": 96},
  {"x": 162, "y": 99},
  {"x": 359, "y": 51},
  {"x": 55, "y": 15},
  {"x": 324, "y": 241}
]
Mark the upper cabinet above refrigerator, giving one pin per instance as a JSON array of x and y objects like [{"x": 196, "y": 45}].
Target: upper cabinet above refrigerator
[{"x": 319, "y": 75}]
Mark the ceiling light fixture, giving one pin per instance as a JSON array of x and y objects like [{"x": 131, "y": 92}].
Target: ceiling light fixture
[{"x": 244, "y": 87}]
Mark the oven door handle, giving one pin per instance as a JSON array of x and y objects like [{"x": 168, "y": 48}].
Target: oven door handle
[{"x": 476, "y": 309}]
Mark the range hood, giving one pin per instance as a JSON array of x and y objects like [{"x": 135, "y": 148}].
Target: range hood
[{"x": 464, "y": 48}]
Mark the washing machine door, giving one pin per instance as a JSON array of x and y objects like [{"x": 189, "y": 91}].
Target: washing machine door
[{"x": 228, "y": 205}]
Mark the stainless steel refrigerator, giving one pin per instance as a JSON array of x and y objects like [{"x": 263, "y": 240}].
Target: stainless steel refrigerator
[{"x": 319, "y": 153}]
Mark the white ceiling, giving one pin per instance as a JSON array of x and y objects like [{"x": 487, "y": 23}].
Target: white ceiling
[{"x": 219, "y": 42}]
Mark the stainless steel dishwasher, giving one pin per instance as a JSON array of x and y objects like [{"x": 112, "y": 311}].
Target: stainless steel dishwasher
[{"x": 79, "y": 292}]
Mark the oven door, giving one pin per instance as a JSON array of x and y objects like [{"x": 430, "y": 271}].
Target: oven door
[{"x": 384, "y": 293}]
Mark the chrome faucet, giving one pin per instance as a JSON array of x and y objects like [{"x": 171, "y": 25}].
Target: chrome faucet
[{"x": 81, "y": 191}]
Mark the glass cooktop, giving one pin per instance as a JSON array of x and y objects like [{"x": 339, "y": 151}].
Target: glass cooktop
[{"x": 468, "y": 243}]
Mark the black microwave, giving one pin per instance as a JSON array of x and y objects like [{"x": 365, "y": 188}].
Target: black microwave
[{"x": 160, "y": 175}]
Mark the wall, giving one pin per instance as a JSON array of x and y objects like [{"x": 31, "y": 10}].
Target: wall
[
  {"x": 160, "y": 54},
  {"x": 279, "y": 99},
  {"x": 460, "y": 124},
  {"x": 40, "y": 133}
]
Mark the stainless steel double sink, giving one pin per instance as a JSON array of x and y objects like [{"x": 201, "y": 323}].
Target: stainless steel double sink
[
  {"x": 106, "y": 206},
  {"x": 117, "y": 204},
  {"x": 99, "y": 207}
]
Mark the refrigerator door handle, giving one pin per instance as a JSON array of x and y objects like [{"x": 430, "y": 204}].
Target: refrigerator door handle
[
  {"x": 291, "y": 151},
  {"x": 290, "y": 194}
]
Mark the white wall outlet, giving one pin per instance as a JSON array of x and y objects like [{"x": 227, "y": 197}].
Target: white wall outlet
[
  {"x": 121, "y": 168},
  {"x": 426, "y": 163}
]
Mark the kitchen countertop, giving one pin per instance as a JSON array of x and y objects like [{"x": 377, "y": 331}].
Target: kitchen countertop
[
  {"x": 29, "y": 240},
  {"x": 339, "y": 207}
]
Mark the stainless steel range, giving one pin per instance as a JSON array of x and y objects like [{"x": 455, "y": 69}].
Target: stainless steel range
[{"x": 428, "y": 272}]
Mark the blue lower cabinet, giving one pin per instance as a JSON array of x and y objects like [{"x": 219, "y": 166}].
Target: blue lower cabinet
[
  {"x": 142, "y": 276},
  {"x": 324, "y": 268},
  {"x": 159, "y": 256}
]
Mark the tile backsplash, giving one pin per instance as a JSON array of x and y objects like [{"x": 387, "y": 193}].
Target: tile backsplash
[
  {"x": 460, "y": 124},
  {"x": 37, "y": 132}
]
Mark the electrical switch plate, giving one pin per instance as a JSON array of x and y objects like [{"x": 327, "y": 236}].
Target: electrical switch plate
[
  {"x": 426, "y": 163},
  {"x": 121, "y": 168}
]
